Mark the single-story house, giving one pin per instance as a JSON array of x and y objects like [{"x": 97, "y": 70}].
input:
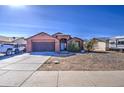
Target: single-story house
[
  {"x": 56, "y": 42},
  {"x": 101, "y": 44}
]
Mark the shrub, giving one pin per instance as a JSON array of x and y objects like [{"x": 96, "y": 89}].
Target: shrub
[{"x": 72, "y": 47}]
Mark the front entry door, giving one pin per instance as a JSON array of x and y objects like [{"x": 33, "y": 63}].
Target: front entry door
[{"x": 63, "y": 46}]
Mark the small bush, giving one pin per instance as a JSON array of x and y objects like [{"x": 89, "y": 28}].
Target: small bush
[{"x": 72, "y": 47}]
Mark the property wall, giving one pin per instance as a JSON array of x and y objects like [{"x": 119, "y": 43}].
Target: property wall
[{"x": 42, "y": 38}]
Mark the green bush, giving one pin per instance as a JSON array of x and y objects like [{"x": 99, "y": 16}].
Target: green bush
[{"x": 72, "y": 47}]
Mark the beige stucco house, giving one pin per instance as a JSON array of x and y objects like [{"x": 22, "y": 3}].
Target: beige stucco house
[{"x": 101, "y": 44}]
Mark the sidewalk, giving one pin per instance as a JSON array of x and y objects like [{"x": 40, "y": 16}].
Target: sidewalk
[{"x": 75, "y": 79}]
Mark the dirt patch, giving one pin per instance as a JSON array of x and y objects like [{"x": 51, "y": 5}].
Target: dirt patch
[{"x": 86, "y": 62}]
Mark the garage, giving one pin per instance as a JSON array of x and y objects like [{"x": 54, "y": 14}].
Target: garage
[
  {"x": 43, "y": 46},
  {"x": 42, "y": 42}
]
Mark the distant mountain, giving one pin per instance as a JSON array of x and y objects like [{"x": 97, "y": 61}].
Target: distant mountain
[{"x": 102, "y": 38}]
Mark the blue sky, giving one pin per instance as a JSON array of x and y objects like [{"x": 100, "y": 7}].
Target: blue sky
[{"x": 81, "y": 21}]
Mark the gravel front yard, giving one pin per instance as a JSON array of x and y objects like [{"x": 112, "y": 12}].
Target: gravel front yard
[{"x": 86, "y": 62}]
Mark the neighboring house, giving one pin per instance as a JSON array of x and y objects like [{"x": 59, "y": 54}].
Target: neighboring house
[
  {"x": 20, "y": 41},
  {"x": 4, "y": 39},
  {"x": 101, "y": 44},
  {"x": 17, "y": 40},
  {"x": 56, "y": 42},
  {"x": 116, "y": 43}
]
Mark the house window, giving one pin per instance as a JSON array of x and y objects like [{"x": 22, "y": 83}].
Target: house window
[
  {"x": 77, "y": 43},
  {"x": 112, "y": 43}
]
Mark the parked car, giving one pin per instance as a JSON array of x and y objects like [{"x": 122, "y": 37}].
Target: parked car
[{"x": 10, "y": 49}]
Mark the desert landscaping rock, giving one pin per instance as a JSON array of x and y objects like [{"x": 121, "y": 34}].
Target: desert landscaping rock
[{"x": 56, "y": 61}]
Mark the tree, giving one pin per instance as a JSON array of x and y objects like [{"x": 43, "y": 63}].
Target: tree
[{"x": 90, "y": 45}]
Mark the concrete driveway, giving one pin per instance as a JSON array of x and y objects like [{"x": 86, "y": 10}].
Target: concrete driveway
[
  {"x": 15, "y": 70},
  {"x": 20, "y": 71}
]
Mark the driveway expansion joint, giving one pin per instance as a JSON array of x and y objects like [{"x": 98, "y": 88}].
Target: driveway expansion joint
[
  {"x": 57, "y": 79},
  {"x": 90, "y": 80},
  {"x": 26, "y": 79},
  {"x": 4, "y": 72}
]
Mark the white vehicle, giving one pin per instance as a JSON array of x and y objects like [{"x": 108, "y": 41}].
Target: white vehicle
[
  {"x": 116, "y": 43},
  {"x": 10, "y": 49}
]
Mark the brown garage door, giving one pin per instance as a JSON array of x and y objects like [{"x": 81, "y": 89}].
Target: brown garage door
[{"x": 43, "y": 46}]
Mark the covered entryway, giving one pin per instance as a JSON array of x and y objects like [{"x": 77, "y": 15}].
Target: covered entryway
[
  {"x": 43, "y": 46},
  {"x": 63, "y": 44}
]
